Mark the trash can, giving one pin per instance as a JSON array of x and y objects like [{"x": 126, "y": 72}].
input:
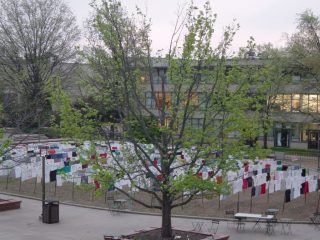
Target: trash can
[{"x": 50, "y": 211}]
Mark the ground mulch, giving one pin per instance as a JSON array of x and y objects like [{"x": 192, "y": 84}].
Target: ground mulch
[{"x": 155, "y": 234}]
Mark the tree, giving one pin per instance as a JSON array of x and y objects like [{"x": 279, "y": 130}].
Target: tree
[
  {"x": 196, "y": 85},
  {"x": 4, "y": 142},
  {"x": 37, "y": 42},
  {"x": 266, "y": 70},
  {"x": 303, "y": 62},
  {"x": 304, "y": 47}
]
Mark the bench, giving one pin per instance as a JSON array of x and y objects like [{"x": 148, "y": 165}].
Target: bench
[
  {"x": 221, "y": 237},
  {"x": 9, "y": 204},
  {"x": 316, "y": 219}
]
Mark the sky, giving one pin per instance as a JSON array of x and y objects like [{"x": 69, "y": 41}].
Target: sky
[{"x": 268, "y": 21}]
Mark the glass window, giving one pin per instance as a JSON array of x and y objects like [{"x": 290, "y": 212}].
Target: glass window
[
  {"x": 196, "y": 122},
  {"x": 313, "y": 103},
  {"x": 159, "y": 76},
  {"x": 277, "y": 102},
  {"x": 150, "y": 103},
  {"x": 164, "y": 98},
  {"x": 286, "y": 103},
  {"x": 295, "y": 102},
  {"x": 167, "y": 121},
  {"x": 194, "y": 100},
  {"x": 304, "y": 103},
  {"x": 155, "y": 77},
  {"x": 202, "y": 101}
]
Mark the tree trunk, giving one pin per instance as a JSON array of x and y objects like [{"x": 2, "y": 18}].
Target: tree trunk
[
  {"x": 166, "y": 232},
  {"x": 265, "y": 140}
]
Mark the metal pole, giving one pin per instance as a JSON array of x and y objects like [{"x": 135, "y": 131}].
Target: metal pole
[
  {"x": 238, "y": 202},
  {"x": 43, "y": 182},
  {"x": 7, "y": 182},
  {"x": 55, "y": 188},
  {"x": 72, "y": 188},
  {"x": 318, "y": 152},
  {"x": 268, "y": 192},
  {"x": 43, "y": 178},
  {"x": 35, "y": 186},
  {"x": 20, "y": 184},
  {"x": 318, "y": 204}
]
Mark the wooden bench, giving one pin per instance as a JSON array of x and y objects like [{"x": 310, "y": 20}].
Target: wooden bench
[
  {"x": 221, "y": 237},
  {"x": 9, "y": 204}
]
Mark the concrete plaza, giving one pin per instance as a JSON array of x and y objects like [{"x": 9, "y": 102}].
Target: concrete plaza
[{"x": 82, "y": 223}]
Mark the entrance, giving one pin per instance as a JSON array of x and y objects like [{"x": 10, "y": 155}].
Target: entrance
[
  {"x": 282, "y": 138},
  {"x": 313, "y": 139}
]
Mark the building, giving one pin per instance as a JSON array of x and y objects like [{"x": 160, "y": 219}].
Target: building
[{"x": 295, "y": 108}]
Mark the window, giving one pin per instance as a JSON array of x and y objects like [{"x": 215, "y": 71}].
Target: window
[
  {"x": 295, "y": 102},
  {"x": 286, "y": 103},
  {"x": 194, "y": 99},
  {"x": 313, "y": 103},
  {"x": 278, "y": 102},
  {"x": 167, "y": 121},
  {"x": 150, "y": 103},
  {"x": 159, "y": 76},
  {"x": 163, "y": 98},
  {"x": 296, "y": 78},
  {"x": 304, "y": 103},
  {"x": 202, "y": 101},
  {"x": 196, "y": 122}
]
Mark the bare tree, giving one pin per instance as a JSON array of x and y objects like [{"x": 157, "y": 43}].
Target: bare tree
[{"x": 37, "y": 40}]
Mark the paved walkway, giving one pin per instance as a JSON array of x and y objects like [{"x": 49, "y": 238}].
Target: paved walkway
[{"x": 81, "y": 223}]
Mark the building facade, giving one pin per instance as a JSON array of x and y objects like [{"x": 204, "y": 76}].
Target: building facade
[{"x": 295, "y": 108}]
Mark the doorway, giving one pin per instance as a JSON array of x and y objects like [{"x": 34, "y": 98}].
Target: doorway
[
  {"x": 282, "y": 138},
  {"x": 313, "y": 139}
]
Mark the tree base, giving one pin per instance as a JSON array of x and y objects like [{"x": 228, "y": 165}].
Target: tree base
[{"x": 155, "y": 234}]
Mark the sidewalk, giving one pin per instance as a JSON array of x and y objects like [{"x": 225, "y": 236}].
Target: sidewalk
[{"x": 81, "y": 223}]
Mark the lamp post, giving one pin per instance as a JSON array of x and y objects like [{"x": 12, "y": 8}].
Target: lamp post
[
  {"x": 43, "y": 183},
  {"x": 318, "y": 169},
  {"x": 318, "y": 145}
]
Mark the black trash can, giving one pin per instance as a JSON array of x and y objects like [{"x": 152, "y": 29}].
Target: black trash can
[{"x": 50, "y": 211}]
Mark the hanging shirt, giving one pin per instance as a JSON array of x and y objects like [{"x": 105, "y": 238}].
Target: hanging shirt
[
  {"x": 96, "y": 184},
  {"x": 253, "y": 191},
  {"x": 312, "y": 185},
  {"x": 289, "y": 181},
  {"x": 263, "y": 188},
  {"x": 271, "y": 186},
  {"x": 295, "y": 193},
  {"x": 59, "y": 181},
  {"x": 237, "y": 186},
  {"x": 250, "y": 182},
  {"x": 306, "y": 188},
  {"x": 53, "y": 175},
  {"x": 287, "y": 195},
  {"x": 257, "y": 193},
  {"x": 277, "y": 185},
  {"x": 244, "y": 184}
]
